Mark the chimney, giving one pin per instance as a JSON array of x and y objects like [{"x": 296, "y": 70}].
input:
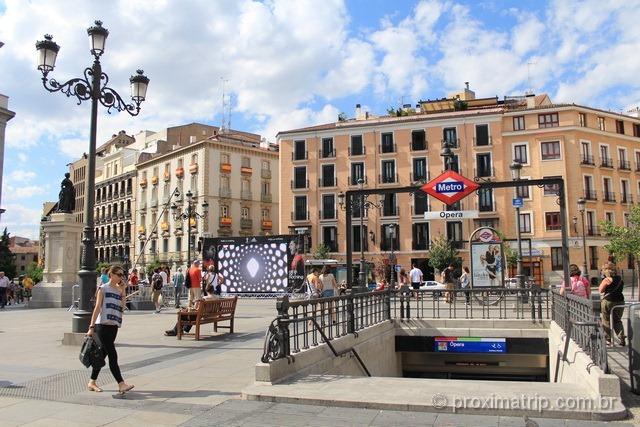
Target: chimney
[
  {"x": 466, "y": 85},
  {"x": 531, "y": 100},
  {"x": 358, "y": 112}
]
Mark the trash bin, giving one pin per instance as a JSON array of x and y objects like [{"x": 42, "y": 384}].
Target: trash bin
[{"x": 633, "y": 334}]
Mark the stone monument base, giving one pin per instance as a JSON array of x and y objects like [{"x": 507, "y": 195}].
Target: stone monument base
[
  {"x": 51, "y": 295},
  {"x": 73, "y": 338}
]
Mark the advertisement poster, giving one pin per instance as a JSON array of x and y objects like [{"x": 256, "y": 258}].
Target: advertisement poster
[{"x": 486, "y": 265}]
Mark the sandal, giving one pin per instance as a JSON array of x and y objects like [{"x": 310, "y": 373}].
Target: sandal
[
  {"x": 126, "y": 389},
  {"x": 94, "y": 387}
]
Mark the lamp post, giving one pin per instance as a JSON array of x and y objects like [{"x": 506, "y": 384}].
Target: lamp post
[
  {"x": 516, "y": 167},
  {"x": 363, "y": 204},
  {"x": 391, "y": 235},
  {"x": 190, "y": 215},
  {"x": 93, "y": 86},
  {"x": 581, "y": 207}
]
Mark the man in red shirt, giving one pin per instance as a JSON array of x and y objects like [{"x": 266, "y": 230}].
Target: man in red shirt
[{"x": 195, "y": 277}]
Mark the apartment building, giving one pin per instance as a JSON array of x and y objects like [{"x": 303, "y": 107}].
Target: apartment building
[
  {"x": 592, "y": 149},
  {"x": 231, "y": 171}
]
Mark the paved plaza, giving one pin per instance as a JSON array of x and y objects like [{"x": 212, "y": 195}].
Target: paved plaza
[{"x": 186, "y": 382}]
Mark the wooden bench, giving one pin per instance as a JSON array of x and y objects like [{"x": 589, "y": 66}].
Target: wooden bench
[{"x": 208, "y": 311}]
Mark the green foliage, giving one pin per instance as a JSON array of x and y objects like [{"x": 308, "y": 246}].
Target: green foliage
[
  {"x": 34, "y": 272},
  {"x": 150, "y": 267},
  {"x": 321, "y": 251},
  {"x": 442, "y": 253},
  {"x": 391, "y": 111},
  {"x": 624, "y": 240},
  {"x": 102, "y": 265},
  {"x": 7, "y": 258},
  {"x": 459, "y": 105}
]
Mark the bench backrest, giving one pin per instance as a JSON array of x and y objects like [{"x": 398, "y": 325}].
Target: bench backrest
[{"x": 217, "y": 307}]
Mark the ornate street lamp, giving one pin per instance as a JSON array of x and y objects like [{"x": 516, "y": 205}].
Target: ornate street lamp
[
  {"x": 93, "y": 86},
  {"x": 191, "y": 216},
  {"x": 516, "y": 168},
  {"x": 363, "y": 204},
  {"x": 581, "y": 208}
]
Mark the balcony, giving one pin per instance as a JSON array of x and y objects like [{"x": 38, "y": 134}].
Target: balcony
[
  {"x": 482, "y": 142},
  {"x": 246, "y": 170},
  {"x": 225, "y": 167},
  {"x": 246, "y": 223},
  {"x": 143, "y": 183},
  {"x": 225, "y": 192},
  {"x": 225, "y": 221},
  {"x": 419, "y": 145},
  {"x": 327, "y": 154},
  {"x": 458, "y": 244},
  {"x": 484, "y": 172},
  {"x": 387, "y": 148},
  {"x": 637, "y": 166},
  {"x": 606, "y": 162},
  {"x": 329, "y": 214},
  {"x": 121, "y": 215},
  {"x": 266, "y": 198},
  {"x": 609, "y": 196},
  {"x": 300, "y": 216},
  {"x": 553, "y": 227},
  {"x": 591, "y": 230},
  {"x": 179, "y": 173},
  {"x": 327, "y": 182},
  {"x": 624, "y": 165},
  {"x": 626, "y": 198},
  {"x": 386, "y": 179},
  {"x": 265, "y": 173},
  {"x": 390, "y": 211},
  {"x": 587, "y": 159},
  {"x": 166, "y": 177},
  {"x": 193, "y": 168},
  {"x": 451, "y": 142},
  {"x": 419, "y": 177},
  {"x": 246, "y": 195},
  {"x": 296, "y": 156},
  {"x": 300, "y": 184},
  {"x": 353, "y": 180},
  {"x": 590, "y": 195},
  {"x": 154, "y": 180},
  {"x": 361, "y": 152},
  {"x": 267, "y": 224}
]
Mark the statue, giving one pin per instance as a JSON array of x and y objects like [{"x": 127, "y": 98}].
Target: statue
[{"x": 67, "y": 195}]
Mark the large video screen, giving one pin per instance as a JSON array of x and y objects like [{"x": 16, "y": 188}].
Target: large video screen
[{"x": 257, "y": 264}]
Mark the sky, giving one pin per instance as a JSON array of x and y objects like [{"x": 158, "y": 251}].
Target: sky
[{"x": 293, "y": 63}]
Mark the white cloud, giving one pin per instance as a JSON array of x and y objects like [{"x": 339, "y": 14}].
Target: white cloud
[
  {"x": 73, "y": 147},
  {"x": 21, "y": 221},
  {"x": 21, "y": 175},
  {"x": 11, "y": 193}
]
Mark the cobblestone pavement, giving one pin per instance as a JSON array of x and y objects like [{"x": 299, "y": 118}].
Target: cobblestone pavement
[{"x": 177, "y": 382}]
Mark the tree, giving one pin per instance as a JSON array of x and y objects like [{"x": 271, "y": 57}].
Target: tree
[
  {"x": 7, "y": 258},
  {"x": 624, "y": 241},
  {"x": 149, "y": 269},
  {"x": 321, "y": 251},
  {"x": 442, "y": 253},
  {"x": 34, "y": 271}
]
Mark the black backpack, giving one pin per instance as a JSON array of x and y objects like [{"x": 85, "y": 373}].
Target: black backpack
[{"x": 158, "y": 283}]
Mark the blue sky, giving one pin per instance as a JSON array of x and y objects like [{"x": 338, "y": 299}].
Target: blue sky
[{"x": 292, "y": 64}]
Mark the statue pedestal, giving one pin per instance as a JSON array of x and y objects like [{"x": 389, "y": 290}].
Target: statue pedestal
[{"x": 61, "y": 264}]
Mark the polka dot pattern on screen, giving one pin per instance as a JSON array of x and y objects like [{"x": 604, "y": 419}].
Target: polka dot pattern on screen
[{"x": 254, "y": 267}]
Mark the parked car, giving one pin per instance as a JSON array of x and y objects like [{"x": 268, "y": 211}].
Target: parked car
[{"x": 432, "y": 285}]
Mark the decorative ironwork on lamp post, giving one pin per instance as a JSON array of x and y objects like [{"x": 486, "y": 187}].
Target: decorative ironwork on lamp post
[
  {"x": 516, "y": 168},
  {"x": 581, "y": 208},
  {"x": 363, "y": 205},
  {"x": 93, "y": 86},
  {"x": 191, "y": 216}
]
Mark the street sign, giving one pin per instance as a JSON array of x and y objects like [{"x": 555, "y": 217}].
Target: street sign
[
  {"x": 449, "y": 187},
  {"x": 518, "y": 202},
  {"x": 470, "y": 345},
  {"x": 451, "y": 214}
]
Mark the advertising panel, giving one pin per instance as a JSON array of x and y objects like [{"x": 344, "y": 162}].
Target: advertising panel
[{"x": 486, "y": 264}]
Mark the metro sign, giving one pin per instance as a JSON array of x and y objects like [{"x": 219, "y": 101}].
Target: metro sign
[{"x": 449, "y": 187}]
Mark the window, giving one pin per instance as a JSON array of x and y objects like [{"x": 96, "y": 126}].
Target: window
[
  {"x": 587, "y": 158},
  {"x": 582, "y": 119},
  {"x": 606, "y": 190},
  {"x": 483, "y": 165},
  {"x": 608, "y": 216},
  {"x": 387, "y": 143},
  {"x": 389, "y": 205},
  {"x": 265, "y": 214},
  {"x": 300, "y": 208},
  {"x": 359, "y": 236},
  {"x": 622, "y": 159},
  {"x": 454, "y": 164},
  {"x": 245, "y": 213},
  {"x": 224, "y": 158},
  {"x": 419, "y": 169},
  {"x": 589, "y": 193},
  {"x": 328, "y": 206},
  {"x": 165, "y": 246},
  {"x": 454, "y": 233},
  {"x": 551, "y": 189},
  {"x": 327, "y": 148},
  {"x": 637, "y": 161},
  {"x": 636, "y": 130},
  {"x": 356, "y": 148},
  {"x": 389, "y": 237},
  {"x": 548, "y": 120},
  {"x": 178, "y": 244},
  {"x": 518, "y": 123},
  {"x": 357, "y": 172},
  {"x": 388, "y": 171},
  {"x": 266, "y": 165},
  {"x": 420, "y": 203},
  {"x": 556, "y": 259},
  {"x": 224, "y": 211},
  {"x": 601, "y": 124},
  {"x": 620, "y": 127},
  {"x": 520, "y": 154},
  {"x": 300, "y": 150},
  {"x": 523, "y": 190},
  {"x": 525, "y": 222},
  {"x": 593, "y": 257},
  {"x": 550, "y": 150},
  {"x": 330, "y": 238},
  {"x": 418, "y": 140},
  {"x": 485, "y": 200},
  {"x": 485, "y": 222},
  {"x": 626, "y": 195},
  {"x": 420, "y": 236},
  {"x": 246, "y": 162},
  {"x": 482, "y": 135},
  {"x": 300, "y": 177},
  {"x": 328, "y": 176},
  {"x": 245, "y": 185},
  {"x": 552, "y": 221},
  {"x": 194, "y": 159},
  {"x": 266, "y": 188},
  {"x": 605, "y": 159},
  {"x": 590, "y": 223},
  {"x": 449, "y": 136}
]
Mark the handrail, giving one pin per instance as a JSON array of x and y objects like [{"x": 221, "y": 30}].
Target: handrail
[{"x": 563, "y": 354}]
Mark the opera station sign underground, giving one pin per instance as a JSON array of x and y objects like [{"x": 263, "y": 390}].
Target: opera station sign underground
[{"x": 450, "y": 187}]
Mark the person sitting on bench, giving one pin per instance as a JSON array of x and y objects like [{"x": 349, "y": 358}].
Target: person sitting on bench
[{"x": 191, "y": 314}]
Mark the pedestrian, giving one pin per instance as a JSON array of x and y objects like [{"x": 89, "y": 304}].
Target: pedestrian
[
  {"x": 164, "y": 272},
  {"x": 134, "y": 280},
  {"x": 178, "y": 281},
  {"x": 329, "y": 283},
  {"x": 314, "y": 284},
  {"x": 105, "y": 322},
  {"x": 190, "y": 314},
  {"x": 194, "y": 277},
  {"x": 465, "y": 281},
  {"x": 157, "y": 282},
  {"x": 449, "y": 283},
  {"x": 104, "y": 277},
  {"x": 415, "y": 275},
  {"x": 611, "y": 295},
  {"x": 28, "y": 286},
  {"x": 4, "y": 285},
  {"x": 579, "y": 284},
  {"x": 213, "y": 280}
]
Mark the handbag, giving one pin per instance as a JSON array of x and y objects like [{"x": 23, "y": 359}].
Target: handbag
[{"x": 91, "y": 353}]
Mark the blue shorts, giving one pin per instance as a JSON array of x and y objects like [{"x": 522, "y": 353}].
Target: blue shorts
[{"x": 327, "y": 293}]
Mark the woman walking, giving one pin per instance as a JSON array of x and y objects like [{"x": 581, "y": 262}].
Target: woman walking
[
  {"x": 611, "y": 295},
  {"x": 105, "y": 321}
]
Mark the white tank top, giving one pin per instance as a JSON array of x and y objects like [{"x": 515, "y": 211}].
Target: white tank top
[{"x": 111, "y": 312}]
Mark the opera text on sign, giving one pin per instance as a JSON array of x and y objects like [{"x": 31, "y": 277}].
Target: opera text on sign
[{"x": 451, "y": 215}]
